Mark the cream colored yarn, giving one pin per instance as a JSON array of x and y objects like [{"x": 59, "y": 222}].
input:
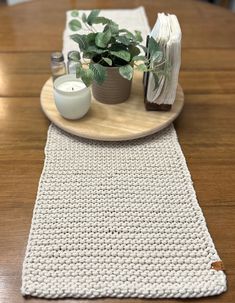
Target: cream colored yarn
[{"x": 118, "y": 220}]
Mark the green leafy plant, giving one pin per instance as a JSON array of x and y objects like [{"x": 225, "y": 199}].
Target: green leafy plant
[{"x": 112, "y": 47}]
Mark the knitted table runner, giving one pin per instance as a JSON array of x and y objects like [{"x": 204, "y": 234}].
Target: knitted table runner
[{"x": 118, "y": 219}]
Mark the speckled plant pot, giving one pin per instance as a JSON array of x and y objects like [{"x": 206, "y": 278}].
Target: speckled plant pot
[{"x": 115, "y": 89}]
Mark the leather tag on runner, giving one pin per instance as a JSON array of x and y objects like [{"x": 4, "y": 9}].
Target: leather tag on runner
[{"x": 217, "y": 265}]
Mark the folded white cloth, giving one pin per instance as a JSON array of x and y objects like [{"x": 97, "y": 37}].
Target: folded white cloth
[{"x": 168, "y": 33}]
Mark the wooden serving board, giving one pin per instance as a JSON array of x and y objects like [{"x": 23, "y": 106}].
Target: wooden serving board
[{"x": 124, "y": 121}]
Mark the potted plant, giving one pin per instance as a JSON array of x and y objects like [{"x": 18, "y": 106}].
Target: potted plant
[{"x": 107, "y": 58}]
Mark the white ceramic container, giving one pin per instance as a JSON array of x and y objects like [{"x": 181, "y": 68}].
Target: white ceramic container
[{"x": 72, "y": 97}]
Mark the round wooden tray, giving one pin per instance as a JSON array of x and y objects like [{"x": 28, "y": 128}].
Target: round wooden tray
[{"x": 125, "y": 121}]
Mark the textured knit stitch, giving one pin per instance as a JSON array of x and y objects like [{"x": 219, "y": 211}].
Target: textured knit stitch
[{"x": 118, "y": 220}]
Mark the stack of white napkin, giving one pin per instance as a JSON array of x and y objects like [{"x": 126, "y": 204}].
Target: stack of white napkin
[{"x": 167, "y": 33}]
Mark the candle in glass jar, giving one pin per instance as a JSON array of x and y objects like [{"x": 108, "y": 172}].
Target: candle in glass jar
[
  {"x": 71, "y": 86},
  {"x": 72, "y": 97}
]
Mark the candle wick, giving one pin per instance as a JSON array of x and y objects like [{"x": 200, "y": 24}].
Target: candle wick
[{"x": 72, "y": 88}]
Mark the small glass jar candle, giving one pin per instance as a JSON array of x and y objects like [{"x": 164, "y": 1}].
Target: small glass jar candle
[{"x": 72, "y": 97}]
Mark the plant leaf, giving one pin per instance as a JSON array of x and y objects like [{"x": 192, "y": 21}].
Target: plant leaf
[
  {"x": 84, "y": 18},
  {"x": 124, "y": 55},
  {"x": 78, "y": 70},
  {"x": 142, "y": 67},
  {"x": 102, "y": 20},
  {"x": 153, "y": 46},
  {"x": 91, "y": 37},
  {"x": 92, "y": 16},
  {"x": 108, "y": 61},
  {"x": 87, "y": 55},
  {"x": 139, "y": 58},
  {"x": 113, "y": 27},
  {"x": 134, "y": 50},
  {"x": 126, "y": 71},
  {"x": 157, "y": 56},
  {"x": 87, "y": 76},
  {"x": 128, "y": 34},
  {"x": 75, "y": 56},
  {"x": 75, "y": 25},
  {"x": 138, "y": 36},
  {"x": 75, "y": 13},
  {"x": 102, "y": 39},
  {"x": 117, "y": 47},
  {"x": 81, "y": 40},
  {"x": 95, "y": 49},
  {"x": 124, "y": 40},
  {"x": 99, "y": 72}
]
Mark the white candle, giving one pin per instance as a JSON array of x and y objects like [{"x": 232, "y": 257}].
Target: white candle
[
  {"x": 71, "y": 86},
  {"x": 72, "y": 97}
]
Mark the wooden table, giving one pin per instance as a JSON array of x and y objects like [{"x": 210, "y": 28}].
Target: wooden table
[{"x": 206, "y": 128}]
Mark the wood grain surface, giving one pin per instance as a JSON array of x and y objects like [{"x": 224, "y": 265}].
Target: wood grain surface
[
  {"x": 206, "y": 127},
  {"x": 117, "y": 122}
]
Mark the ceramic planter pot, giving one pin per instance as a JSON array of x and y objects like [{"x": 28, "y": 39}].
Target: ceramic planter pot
[{"x": 115, "y": 89}]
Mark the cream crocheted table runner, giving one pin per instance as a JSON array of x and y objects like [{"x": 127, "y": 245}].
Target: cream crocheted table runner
[{"x": 118, "y": 220}]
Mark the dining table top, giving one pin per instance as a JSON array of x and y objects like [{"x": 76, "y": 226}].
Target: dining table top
[{"x": 29, "y": 32}]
